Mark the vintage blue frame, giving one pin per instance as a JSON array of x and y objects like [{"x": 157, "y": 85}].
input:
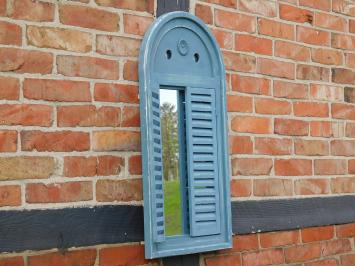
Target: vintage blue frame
[{"x": 154, "y": 75}]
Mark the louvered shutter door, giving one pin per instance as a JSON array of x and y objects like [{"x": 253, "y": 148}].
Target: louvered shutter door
[
  {"x": 202, "y": 162},
  {"x": 158, "y": 190}
]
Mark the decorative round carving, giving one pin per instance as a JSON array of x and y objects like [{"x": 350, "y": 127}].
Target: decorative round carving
[{"x": 183, "y": 47}]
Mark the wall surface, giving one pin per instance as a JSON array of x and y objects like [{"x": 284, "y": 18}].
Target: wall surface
[{"x": 69, "y": 116}]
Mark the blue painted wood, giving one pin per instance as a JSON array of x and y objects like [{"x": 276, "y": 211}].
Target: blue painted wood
[
  {"x": 202, "y": 144},
  {"x": 179, "y": 51}
]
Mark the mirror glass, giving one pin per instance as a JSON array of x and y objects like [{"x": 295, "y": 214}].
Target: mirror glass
[{"x": 169, "y": 118}]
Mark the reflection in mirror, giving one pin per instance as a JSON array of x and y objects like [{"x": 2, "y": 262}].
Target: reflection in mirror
[{"x": 170, "y": 143}]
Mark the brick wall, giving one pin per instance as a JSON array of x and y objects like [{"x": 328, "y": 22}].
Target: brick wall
[{"x": 69, "y": 114}]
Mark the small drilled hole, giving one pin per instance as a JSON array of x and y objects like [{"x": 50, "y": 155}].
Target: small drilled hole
[
  {"x": 196, "y": 57},
  {"x": 168, "y": 54}
]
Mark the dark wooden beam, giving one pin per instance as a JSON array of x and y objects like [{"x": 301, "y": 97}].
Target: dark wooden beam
[
  {"x": 166, "y": 6},
  {"x": 77, "y": 227}
]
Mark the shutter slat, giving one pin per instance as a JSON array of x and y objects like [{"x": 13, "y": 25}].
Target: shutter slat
[
  {"x": 158, "y": 188},
  {"x": 202, "y": 162}
]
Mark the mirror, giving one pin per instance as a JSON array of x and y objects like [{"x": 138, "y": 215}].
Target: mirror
[{"x": 169, "y": 117}]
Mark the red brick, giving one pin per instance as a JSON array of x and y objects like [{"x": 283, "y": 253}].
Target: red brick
[
  {"x": 119, "y": 190},
  {"x": 317, "y": 4},
  {"x": 349, "y": 94},
  {"x": 57, "y": 90},
  {"x": 251, "y": 166},
  {"x": 276, "y": 68},
  {"x": 251, "y": 124},
  {"x": 110, "y": 165},
  {"x": 313, "y": 109},
  {"x": 116, "y": 140},
  {"x": 345, "y": 230},
  {"x": 341, "y": 41},
  {"x": 247, "y": 43},
  {"x": 26, "y": 167},
  {"x": 342, "y": 147},
  {"x": 343, "y": 7},
  {"x": 273, "y": 146},
  {"x": 10, "y": 196},
  {"x": 295, "y": 14},
  {"x": 88, "y": 116},
  {"x": 32, "y": 10},
  {"x": 237, "y": 103},
  {"x": 230, "y": 260},
  {"x": 343, "y": 185},
  {"x": 85, "y": 257},
  {"x": 311, "y": 186},
  {"x": 58, "y": 192},
  {"x": 130, "y": 70},
  {"x": 323, "y": 262},
  {"x": 326, "y": 93},
  {"x": 271, "y": 106},
  {"x": 292, "y": 51},
  {"x": 252, "y": 85},
  {"x": 265, "y": 257},
  {"x": 327, "y": 56},
  {"x": 57, "y": 38},
  {"x": 235, "y": 21},
  {"x": 9, "y": 88},
  {"x": 276, "y": 239},
  {"x": 88, "y": 67},
  {"x": 239, "y": 62},
  {"x": 136, "y": 24},
  {"x": 289, "y": 90},
  {"x": 343, "y": 111},
  {"x": 302, "y": 253},
  {"x": 240, "y": 145},
  {"x": 224, "y": 38},
  {"x": 11, "y": 261},
  {"x": 79, "y": 166},
  {"x": 321, "y": 129},
  {"x": 88, "y": 17},
  {"x": 244, "y": 243},
  {"x": 293, "y": 167},
  {"x": 337, "y": 246},
  {"x": 348, "y": 260},
  {"x": 307, "y": 72},
  {"x": 26, "y": 114},
  {"x": 261, "y": 7},
  {"x": 350, "y": 60},
  {"x": 63, "y": 141},
  {"x": 276, "y": 29},
  {"x": 351, "y": 166},
  {"x": 331, "y": 22},
  {"x": 241, "y": 188},
  {"x": 352, "y": 25},
  {"x": 343, "y": 76},
  {"x": 3, "y": 7},
  {"x": 8, "y": 141},
  {"x": 205, "y": 13},
  {"x": 137, "y": 5},
  {"x": 10, "y": 34},
  {"x": 272, "y": 187},
  {"x": 107, "y": 92},
  {"x": 24, "y": 61},
  {"x": 311, "y": 147},
  {"x": 291, "y": 127},
  {"x": 130, "y": 116},
  {"x": 117, "y": 46},
  {"x": 330, "y": 167},
  {"x": 126, "y": 255},
  {"x": 313, "y": 36},
  {"x": 317, "y": 233},
  {"x": 135, "y": 165}
]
